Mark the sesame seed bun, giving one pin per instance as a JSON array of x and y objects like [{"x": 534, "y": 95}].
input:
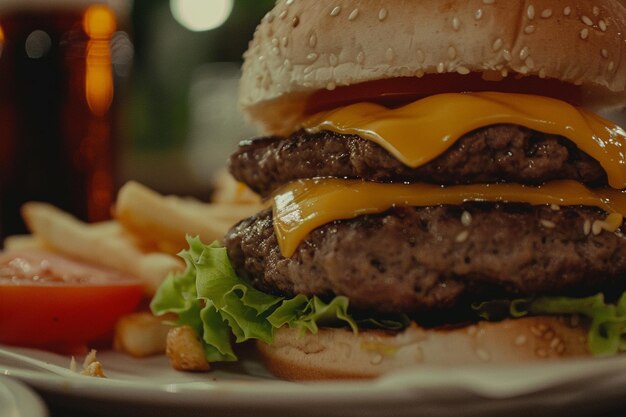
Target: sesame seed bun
[
  {"x": 304, "y": 46},
  {"x": 340, "y": 354}
]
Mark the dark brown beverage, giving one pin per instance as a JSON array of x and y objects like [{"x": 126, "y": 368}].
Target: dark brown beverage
[{"x": 56, "y": 88}]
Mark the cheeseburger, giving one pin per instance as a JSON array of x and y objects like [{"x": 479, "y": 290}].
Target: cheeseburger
[{"x": 442, "y": 191}]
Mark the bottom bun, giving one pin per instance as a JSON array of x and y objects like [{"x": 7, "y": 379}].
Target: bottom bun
[{"x": 339, "y": 353}]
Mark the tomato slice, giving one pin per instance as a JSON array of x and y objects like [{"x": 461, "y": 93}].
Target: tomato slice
[
  {"x": 52, "y": 302},
  {"x": 394, "y": 92}
]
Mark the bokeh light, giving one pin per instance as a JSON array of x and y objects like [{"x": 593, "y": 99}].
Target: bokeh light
[{"x": 201, "y": 15}]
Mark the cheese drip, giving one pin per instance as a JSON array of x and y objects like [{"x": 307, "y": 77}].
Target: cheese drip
[
  {"x": 303, "y": 205},
  {"x": 421, "y": 131}
]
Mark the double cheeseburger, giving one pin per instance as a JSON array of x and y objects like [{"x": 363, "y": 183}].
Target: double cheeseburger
[{"x": 439, "y": 161}]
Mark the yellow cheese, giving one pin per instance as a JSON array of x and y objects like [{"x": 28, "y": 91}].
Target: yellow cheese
[
  {"x": 303, "y": 205},
  {"x": 421, "y": 131}
]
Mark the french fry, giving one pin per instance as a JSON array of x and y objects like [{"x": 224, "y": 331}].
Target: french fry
[
  {"x": 185, "y": 350},
  {"x": 105, "y": 244},
  {"x": 141, "y": 334},
  {"x": 23, "y": 242},
  {"x": 164, "y": 221},
  {"x": 230, "y": 191}
]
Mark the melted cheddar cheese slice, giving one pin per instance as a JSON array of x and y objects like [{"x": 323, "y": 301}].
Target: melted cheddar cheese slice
[
  {"x": 303, "y": 205},
  {"x": 421, "y": 131}
]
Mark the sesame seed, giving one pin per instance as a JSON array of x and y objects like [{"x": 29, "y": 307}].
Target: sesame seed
[
  {"x": 549, "y": 335},
  {"x": 524, "y": 69},
  {"x": 289, "y": 2},
  {"x": 472, "y": 330},
  {"x": 285, "y": 41},
  {"x": 587, "y": 21},
  {"x": 332, "y": 59},
  {"x": 542, "y": 73},
  {"x": 420, "y": 56},
  {"x": 507, "y": 55},
  {"x": 483, "y": 355},
  {"x": 451, "y": 52},
  {"x": 287, "y": 64},
  {"x": 382, "y": 14},
  {"x": 542, "y": 353},
  {"x": 524, "y": 53},
  {"x": 312, "y": 56},
  {"x": 504, "y": 72},
  {"x": 269, "y": 17},
  {"x": 497, "y": 44},
  {"x": 555, "y": 207},
  {"x": 547, "y": 224},
  {"x": 440, "y": 67},
  {"x": 462, "y": 237},
  {"x": 567, "y": 11},
  {"x": 295, "y": 21},
  {"x": 587, "y": 227},
  {"x": 275, "y": 41},
  {"x": 456, "y": 23},
  {"x": 555, "y": 342},
  {"x": 283, "y": 14},
  {"x": 547, "y": 13},
  {"x": 596, "y": 11},
  {"x": 275, "y": 50},
  {"x": 536, "y": 331},
  {"x": 520, "y": 340},
  {"x": 611, "y": 66},
  {"x": 312, "y": 40},
  {"x": 353, "y": 14},
  {"x": 466, "y": 218},
  {"x": 360, "y": 57},
  {"x": 489, "y": 1},
  {"x": 584, "y": 34},
  {"x": 605, "y": 53},
  {"x": 530, "y": 12},
  {"x": 529, "y": 29},
  {"x": 602, "y": 25},
  {"x": 560, "y": 348},
  {"x": 389, "y": 55},
  {"x": 335, "y": 11},
  {"x": 376, "y": 359},
  {"x": 542, "y": 327},
  {"x": 596, "y": 227},
  {"x": 478, "y": 14},
  {"x": 530, "y": 63}
]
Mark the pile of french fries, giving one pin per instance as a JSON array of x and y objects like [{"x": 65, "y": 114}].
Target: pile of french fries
[{"x": 147, "y": 231}]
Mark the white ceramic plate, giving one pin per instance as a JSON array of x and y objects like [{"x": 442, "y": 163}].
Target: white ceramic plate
[
  {"x": 17, "y": 400},
  {"x": 149, "y": 387}
]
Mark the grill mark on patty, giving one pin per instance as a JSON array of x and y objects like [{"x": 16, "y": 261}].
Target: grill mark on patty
[{"x": 496, "y": 153}]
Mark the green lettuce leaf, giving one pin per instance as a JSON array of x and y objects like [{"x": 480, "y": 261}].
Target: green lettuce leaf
[
  {"x": 210, "y": 297},
  {"x": 607, "y": 330}
]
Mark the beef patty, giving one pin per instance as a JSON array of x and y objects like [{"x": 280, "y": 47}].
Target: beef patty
[
  {"x": 411, "y": 259},
  {"x": 496, "y": 153}
]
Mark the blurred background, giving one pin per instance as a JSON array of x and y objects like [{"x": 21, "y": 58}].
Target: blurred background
[
  {"x": 180, "y": 96},
  {"x": 94, "y": 93}
]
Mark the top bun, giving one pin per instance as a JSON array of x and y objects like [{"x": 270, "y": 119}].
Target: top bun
[{"x": 302, "y": 46}]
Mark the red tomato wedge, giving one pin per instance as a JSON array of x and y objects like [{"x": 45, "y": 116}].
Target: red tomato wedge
[{"x": 53, "y": 302}]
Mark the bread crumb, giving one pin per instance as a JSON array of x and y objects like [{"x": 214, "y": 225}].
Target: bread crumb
[{"x": 91, "y": 366}]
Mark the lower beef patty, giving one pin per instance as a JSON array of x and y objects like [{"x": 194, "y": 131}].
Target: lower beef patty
[
  {"x": 492, "y": 154},
  {"x": 416, "y": 259}
]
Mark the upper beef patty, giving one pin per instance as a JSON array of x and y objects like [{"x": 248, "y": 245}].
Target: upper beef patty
[
  {"x": 497, "y": 153},
  {"x": 413, "y": 259}
]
